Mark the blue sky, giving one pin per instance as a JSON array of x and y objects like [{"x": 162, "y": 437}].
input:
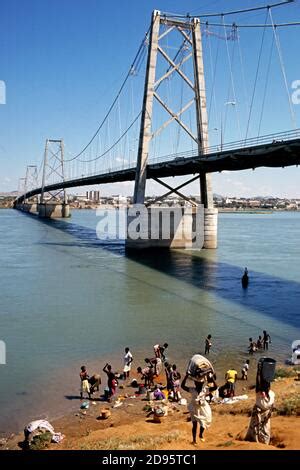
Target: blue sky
[{"x": 63, "y": 61}]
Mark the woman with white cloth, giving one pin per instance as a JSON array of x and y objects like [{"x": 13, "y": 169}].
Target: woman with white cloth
[
  {"x": 260, "y": 424},
  {"x": 199, "y": 408}
]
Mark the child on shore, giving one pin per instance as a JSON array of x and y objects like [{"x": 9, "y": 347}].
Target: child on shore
[
  {"x": 84, "y": 386},
  {"x": 245, "y": 370}
]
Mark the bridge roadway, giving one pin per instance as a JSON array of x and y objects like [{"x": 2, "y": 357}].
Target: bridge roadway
[{"x": 278, "y": 153}]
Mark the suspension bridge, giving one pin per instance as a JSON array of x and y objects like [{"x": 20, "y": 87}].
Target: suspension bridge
[{"x": 180, "y": 108}]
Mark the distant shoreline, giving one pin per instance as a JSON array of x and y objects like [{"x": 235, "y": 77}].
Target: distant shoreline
[
  {"x": 249, "y": 211},
  {"x": 220, "y": 209}
]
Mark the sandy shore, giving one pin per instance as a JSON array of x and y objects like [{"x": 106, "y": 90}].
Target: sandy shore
[{"x": 129, "y": 427}]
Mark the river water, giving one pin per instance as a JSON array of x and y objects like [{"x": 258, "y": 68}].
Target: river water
[{"x": 69, "y": 299}]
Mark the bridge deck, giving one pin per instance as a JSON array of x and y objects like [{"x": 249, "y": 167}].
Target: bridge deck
[{"x": 274, "y": 154}]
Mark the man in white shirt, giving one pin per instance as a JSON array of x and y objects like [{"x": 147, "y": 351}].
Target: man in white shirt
[{"x": 127, "y": 362}]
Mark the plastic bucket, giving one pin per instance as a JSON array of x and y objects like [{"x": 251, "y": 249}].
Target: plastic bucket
[{"x": 267, "y": 369}]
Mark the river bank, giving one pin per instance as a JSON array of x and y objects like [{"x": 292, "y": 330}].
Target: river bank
[{"x": 130, "y": 426}]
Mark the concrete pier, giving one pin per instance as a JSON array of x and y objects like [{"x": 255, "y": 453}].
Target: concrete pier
[
  {"x": 29, "y": 207},
  {"x": 165, "y": 227},
  {"x": 53, "y": 210},
  {"x": 210, "y": 228}
]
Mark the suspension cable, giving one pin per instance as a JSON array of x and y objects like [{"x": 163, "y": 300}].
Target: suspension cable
[
  {"x": 268, "y": 25},
  {"x": 242, "y": 70},
  {"x": 207, "y": 15},
  {"x": 293, "y": 116},
  {"x": 114, "y": 144},
  {"x": 129, "y": 73}
]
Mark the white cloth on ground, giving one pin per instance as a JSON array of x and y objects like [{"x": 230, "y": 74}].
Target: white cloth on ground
[
  {"x": 229, "y": 401},
  {"x": 39, "y": 424}
]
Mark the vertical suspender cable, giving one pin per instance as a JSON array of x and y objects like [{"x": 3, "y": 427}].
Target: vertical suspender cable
[
  {"x": 213, "y": 68},
  {"x": 242, "y": 69},
  {"x": 266, "y": 86},
  {"x": 231, "y": 77},
  {"x": 256, "y": 76},
  {"x": 293, "y": 116}
]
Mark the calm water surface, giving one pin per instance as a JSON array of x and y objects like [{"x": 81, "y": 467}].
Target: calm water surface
[{"x": 68, "y": 299}]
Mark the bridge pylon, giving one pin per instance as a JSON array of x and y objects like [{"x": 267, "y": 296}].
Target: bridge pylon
[
  {"x": 53, "y": 203},
  {"x": 31, "y": 181},
  {"x": 190, "y": 33},
  {"x": 30, "y": 204}
]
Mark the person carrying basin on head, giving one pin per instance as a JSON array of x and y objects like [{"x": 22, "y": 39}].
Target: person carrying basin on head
[
  {"x": 199, "y": 408},
  {"x": 259, "y": 429}
]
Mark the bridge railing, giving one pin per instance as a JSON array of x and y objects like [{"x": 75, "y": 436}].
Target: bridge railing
[
  {"x": 212, "y": 150},
  {"x": 238, "y": 144}
]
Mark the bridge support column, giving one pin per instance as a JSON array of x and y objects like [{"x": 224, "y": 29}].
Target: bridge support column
[
  {"x": 210, "y": 228},
  {"x": 191, "y": 33},
  {"x": 53, "y": 210},
  {"x": 210, "y": 213},
  {"x": 29, "y": 207},
  {"x": 165, "y": 227}
]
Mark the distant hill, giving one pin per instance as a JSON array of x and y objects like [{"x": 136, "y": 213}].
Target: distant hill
[{"x": 8, "y": 193}]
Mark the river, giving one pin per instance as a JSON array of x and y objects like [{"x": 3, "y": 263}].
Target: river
[{"x": 69, "y": 299}]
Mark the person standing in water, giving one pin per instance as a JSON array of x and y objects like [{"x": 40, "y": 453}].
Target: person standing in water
[
  {"x": 245, "y": 278},
  {"x": 208, "y": 344},
  {"x": 266, "y": 340}
]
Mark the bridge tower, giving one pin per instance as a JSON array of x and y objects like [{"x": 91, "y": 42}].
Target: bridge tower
[
  {"x": 30, "y": 183},
  {"x": 190, "y": 32},
  {"x": 53, "y": 203}
]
